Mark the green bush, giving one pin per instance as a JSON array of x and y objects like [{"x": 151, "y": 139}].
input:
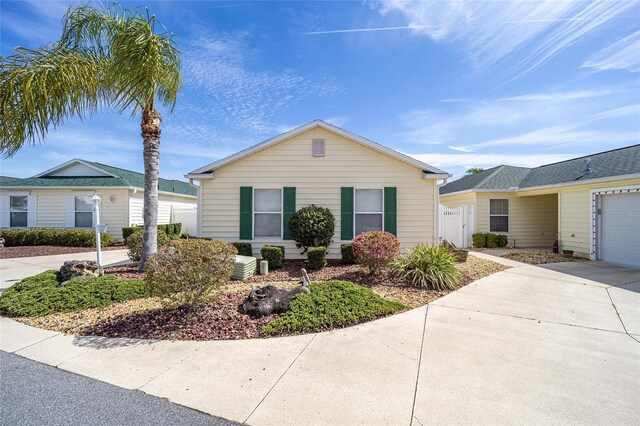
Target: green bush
[
  {"x": 492, "y": 240},
  {"x": 134, "y": 243},
  {"x": 331, "y": 304},
  {"x": 502, "y": 240},
  {"x": 274, "y": 255},
  {"x": 375, "y": 249},
  {"x": 54, "y": 237},
  {"x": 186, "y": 272},
  {"x": 42, "y": 294},
  {"x": 244, "y": 249},
  {"x": 346, "y": 250},
  {"x": 312, "y": 226},
  {"x": 171, "y": 229},
  {"x": 479, "y": 240},
  {"x": 429, "y": 266},
  {"x": 317, "y": 257}
]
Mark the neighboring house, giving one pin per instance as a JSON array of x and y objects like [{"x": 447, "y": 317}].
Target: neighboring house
[
  {"x": 61, "y": 198},
  {"x": 251, "y": 195},
  {"x": 590, "y": 204}
]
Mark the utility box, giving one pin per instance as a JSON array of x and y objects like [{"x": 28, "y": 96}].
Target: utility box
[{"x": 244, "y": 267}]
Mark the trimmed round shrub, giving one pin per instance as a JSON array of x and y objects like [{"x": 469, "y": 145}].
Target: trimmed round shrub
[
  {"x": 429, "y": 266},
  {"x": 479, "y": 240},
  {"x": 375, "y": 249},
  {"x": 331, "y": 304},
  {"x": 187, "y": 272},
  {"x": 54, "y": 237},
  {"x": 502, "y": 240},
  {"x": 312, "y": 226},
  {"x": 244, "y": 249},
  {"x": 317, "y": 257},
  {"x": 274, "y": 255},
  {"x": 346, "y": 251},
  {"x": 134, "y": 243}
]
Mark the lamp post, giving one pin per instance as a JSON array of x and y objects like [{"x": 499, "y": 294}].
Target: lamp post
[{"x": 96, "y": 211}]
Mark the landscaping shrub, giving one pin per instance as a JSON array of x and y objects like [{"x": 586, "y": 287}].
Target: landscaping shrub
[
  {"x": 502, "y": 240},
  {"x": 186, "y": 272},
  {"x": 317, "y": 257},
  {"x": 134, "y": 243},
  {"x": 375, "y": 249},
  {"x": 346, "y": 250},
  {"x": 491, "y": 240},
  {"x": 331, "y": 304},
  {"x": 312, "y": 226},
  {"x": 54, "y": 237},
  {"x": 274, "y": 255},
  {"x": 171, "y": 229},
  {"x": 244, "y": 249},
  {"x": 479, "y": 240},
  {"x": 42, "y": 294},
  {"x": 429, "y": 266}
]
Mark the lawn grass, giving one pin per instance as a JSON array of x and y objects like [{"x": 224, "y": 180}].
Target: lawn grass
[
  {"x": 331, "y": 304},
  {"x": 42, "y": 294}
]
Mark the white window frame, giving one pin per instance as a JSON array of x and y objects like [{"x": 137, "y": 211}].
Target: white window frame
[
  {"x": 355, "y": 212},
  {"x": 75, "y": 211},
  {"x": 18, "y": 211},
  {"x": 500, "y": 215},
  {"x": 253, "y": 215}
]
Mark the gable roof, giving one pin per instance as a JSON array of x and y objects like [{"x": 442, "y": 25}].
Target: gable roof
[
  {"x": 608, "y": 164},
  {"x": 206, "y": 171},
  {"x": 109, "y": 176}
]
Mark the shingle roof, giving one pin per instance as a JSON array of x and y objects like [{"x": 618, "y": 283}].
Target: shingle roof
[
  {"x": 124, "y": 178},
  {"x": 617, "y": 162}
]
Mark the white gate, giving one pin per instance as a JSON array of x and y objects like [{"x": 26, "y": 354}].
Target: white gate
[
  {"x": 187, "y": 216},
  {"x": 457, "y": 224}
]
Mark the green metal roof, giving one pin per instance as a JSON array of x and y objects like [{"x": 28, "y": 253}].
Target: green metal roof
[
  {"x": 123, "y": 178},
  {"x": 617, "y": 162}
]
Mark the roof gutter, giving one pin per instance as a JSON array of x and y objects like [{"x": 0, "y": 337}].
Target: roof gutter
[{"x": 94, "y": 188}]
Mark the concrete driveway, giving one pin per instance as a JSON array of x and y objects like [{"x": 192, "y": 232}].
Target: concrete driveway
[{"x": 531, "y": 345}]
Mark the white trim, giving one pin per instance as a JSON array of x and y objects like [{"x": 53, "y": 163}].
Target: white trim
[
  {"x": 593, "y": 218},
  {"x": 26, "y": 211},
  {"x": 70, "y": 162},
  {"x": 253, "y": 214},
  {"x": 304, "y": 128},
  {"x": 96, "y": 189},
  {"x": 355, "y": 191}
]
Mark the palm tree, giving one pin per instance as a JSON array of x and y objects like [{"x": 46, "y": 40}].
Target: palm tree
[
  {"x": 474, "y": 170},
  {"x": 104, "y": 57}
]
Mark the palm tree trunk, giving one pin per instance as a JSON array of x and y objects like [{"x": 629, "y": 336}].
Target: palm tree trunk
[{"x": 151, "y": 151}]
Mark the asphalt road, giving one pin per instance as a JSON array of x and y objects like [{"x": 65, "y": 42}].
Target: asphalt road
[{"x": 36, "y": 394}]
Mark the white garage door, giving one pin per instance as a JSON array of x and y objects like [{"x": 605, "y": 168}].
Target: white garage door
[{"x": 619, "y": 229}]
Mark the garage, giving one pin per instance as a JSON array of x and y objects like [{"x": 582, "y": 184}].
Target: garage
[{"x": 618, "y": 228}]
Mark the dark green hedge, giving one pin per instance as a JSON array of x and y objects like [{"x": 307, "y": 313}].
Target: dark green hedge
[
  {"x": 482, "y": 240},
  {"x": 54, "y": 237},
  {"x": 317, "y": 257},
  {"x": 42, "y": 294},
  {"x": 171, "y": 229},
  {"x": 244, "y": 249},
  {"x": 346, "y": 250},
  {"x": 274, "y": 255}
]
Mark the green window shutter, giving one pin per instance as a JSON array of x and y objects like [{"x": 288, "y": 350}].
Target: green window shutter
[
  {"x": 390, "y": 207},
  {"x": 288, "y": 209},
  {"x": 346, "y": 214},
  {"x": 246, "y": 212}
]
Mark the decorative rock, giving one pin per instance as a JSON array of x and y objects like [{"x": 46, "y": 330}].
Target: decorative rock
[
  {"x": 270, "y": 300},
  {"x": 85, "y": 269}
]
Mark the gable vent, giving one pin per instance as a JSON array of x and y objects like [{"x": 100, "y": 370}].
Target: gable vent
[{"x": 317, "y": 147}]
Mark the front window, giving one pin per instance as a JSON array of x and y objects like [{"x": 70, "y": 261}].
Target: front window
[
  {"x": 18, "y": 211},
  {"x": 84, "y": 212},
  {"x": 267, "y": 213},
  {"x": 499, "y": 215},
  {"x": 368, "y": 210}
]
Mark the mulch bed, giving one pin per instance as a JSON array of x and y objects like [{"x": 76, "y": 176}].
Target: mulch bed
[
  {"x": 29, "y": 251},
  {"x": 223, "y": 319},
  {"x": 540, "y": 257}
]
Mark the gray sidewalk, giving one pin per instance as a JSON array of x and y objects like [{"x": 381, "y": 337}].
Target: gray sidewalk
[{"x": 529, "y": 345}]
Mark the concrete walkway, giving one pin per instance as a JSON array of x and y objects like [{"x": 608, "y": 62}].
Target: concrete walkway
[{"x": 531, "y": 345}]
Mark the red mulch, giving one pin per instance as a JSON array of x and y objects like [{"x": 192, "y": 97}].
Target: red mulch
[
  {"x": 29, "y": 251},
  {"x": 126, "y": 272},
  {"x": 221, "y": 320}
]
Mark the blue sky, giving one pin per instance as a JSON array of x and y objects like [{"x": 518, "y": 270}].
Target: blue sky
[{"x": 455, "y": 84}]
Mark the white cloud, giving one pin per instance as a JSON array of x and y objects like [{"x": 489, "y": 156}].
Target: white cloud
[
  {"x": 623, "y": 54},
  {"x": 339, "y": 120},
  {"x": 493, "y": 31},
  {"x": 449, "y": 161}
]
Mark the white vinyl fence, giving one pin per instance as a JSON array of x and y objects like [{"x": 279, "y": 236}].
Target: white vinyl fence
[
  {"x": 457, "y": 224},
  {"x": 187, "y": 216}
]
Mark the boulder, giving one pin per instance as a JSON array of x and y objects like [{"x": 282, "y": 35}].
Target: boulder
[
  {"x": 269, "y": 300},
  {"x": 85, "y": 269}
]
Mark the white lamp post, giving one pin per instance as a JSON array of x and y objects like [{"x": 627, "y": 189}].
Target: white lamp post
[{"x": 96, "y": 211}]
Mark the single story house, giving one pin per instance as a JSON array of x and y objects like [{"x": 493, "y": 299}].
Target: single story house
[
  {"x": 61, "y": 198},
  {"x": 591, "y": 204},
  {"x": 250, "y": 196}
]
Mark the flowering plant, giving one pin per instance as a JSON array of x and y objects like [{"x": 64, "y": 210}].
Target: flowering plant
[{"x": 375, "y": 249}]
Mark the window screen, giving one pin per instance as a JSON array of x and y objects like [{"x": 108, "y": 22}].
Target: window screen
[
  {"x": 368, "y": 210},
  {"x": 18, "y": 211},
  {"x": 267, "y": 211},
  {"x": 84, "y": 212},
  {"x": 499, "y": 215}
]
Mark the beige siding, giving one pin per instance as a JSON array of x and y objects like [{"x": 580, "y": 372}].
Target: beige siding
[
  {"x": 318, "y": 181},
  {"x": 533, "y": 221},
  {"x": 457, "y": 200}
]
